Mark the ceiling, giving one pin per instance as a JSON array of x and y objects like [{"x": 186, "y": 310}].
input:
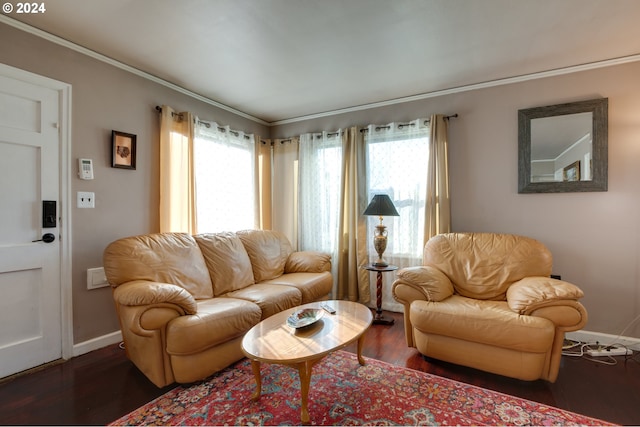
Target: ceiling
[{"x": 279, "y": 60}]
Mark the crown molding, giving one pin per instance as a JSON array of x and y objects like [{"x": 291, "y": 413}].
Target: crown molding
[
  {"x": 100, "y": 57},
  {"x": 465, "y": 88}
]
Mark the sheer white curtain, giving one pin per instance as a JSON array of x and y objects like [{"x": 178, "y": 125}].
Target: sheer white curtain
[
  {"x": 339, "y": 172},
  {"x": 226, "y": 182},
  {"x": 397, "y": 161},
  {"x": 320, "y": 172}
]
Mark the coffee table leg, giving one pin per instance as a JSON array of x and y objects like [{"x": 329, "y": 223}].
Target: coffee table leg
[
  {"x": 304, "y": 370},
  {"x": 360, "y": 345},
  {"x": 255, "y": 367}
]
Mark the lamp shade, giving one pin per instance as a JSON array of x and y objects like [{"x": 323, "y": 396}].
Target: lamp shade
[{"x": 381, "y": 205}]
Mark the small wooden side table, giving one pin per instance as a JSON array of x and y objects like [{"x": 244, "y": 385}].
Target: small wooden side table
[{"x": 379, "y": 319}]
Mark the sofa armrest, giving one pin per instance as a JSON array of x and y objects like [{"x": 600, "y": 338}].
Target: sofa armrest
[
  {"x": 144, "y": 293},
  {"x": 533, "y": 293},
  {"x": 423, "y": 282},
  {"x": 308, "y": 262}
]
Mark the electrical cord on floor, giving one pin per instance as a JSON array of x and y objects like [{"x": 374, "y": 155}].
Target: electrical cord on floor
[
  {"x": 608, "y": 361},
  {"x": 633, "y": 357},
  {"x": 571, "y": 344},
  {"x": 575, "y": 353},
  {"x": 582, "y": 351}
]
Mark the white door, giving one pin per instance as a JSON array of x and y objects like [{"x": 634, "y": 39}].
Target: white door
[{"x": 30, "y": 285}]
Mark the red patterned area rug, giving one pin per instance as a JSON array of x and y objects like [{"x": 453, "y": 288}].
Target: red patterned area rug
[{"x": 342, "y": 392}]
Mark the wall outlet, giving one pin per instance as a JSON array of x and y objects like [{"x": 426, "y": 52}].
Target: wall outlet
[
  {"x": 96, "y": 278},
  {"x": 603, "y": 351},
  {"x": 86, "y": 199}
]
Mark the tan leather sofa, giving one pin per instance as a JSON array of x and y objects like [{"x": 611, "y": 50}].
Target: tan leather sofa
[
  {"x": 487, "y": 301},
  {"x": 185, "y": 302}
]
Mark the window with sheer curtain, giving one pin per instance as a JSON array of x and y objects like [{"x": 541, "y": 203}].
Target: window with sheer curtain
[
  {"x": 320, "y": 165},
  {"x": 397, "y": 162},
  {"x": 224, "y": 166}
]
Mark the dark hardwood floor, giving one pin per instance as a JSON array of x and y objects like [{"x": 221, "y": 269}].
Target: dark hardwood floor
[{"x": 101, "y": 386}]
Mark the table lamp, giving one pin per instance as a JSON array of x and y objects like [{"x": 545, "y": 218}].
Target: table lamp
[{"x": 381, "y": 205}]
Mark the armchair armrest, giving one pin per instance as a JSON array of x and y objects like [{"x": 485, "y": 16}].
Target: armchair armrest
[
  {"x": 146, "y": 293},
  {"x": 422, "y": 282},
  {"x": 308, "y": 262},
  {"x": 533, "y": 293}
]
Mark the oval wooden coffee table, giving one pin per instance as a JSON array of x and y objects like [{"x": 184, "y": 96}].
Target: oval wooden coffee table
[{"x": 273, "y": 341}]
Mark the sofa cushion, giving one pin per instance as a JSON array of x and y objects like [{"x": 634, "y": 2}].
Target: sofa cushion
[
  {"x": 162, "y": 257},
  {"x": 308, "y": 262},
  {"x": 218, "y": 320},
  {"x": 268, "y": 251},
  {"x": 486, "y": 322},
  {"x": 227, "y": 260},
  {"x": 271, "y": 298},
  {"x": 312, "y": 286}
]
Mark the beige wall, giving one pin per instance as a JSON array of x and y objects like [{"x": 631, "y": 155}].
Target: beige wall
[
  {"x": 106, "y": 98},
  {"x": 595, "y": 237}
]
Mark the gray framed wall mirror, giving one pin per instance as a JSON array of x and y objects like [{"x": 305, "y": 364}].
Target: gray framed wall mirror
[{"x": 563, "y": 148}]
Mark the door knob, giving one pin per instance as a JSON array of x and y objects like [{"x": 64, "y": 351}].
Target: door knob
[{"x": 47, "y": 238}]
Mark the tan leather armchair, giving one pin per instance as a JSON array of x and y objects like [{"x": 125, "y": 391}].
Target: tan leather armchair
[{"x": 487, "y": 301}]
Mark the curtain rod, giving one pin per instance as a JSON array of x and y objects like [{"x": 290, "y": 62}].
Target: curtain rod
[
  {"x": 205, "y": 123},
  {"x": 159, "y": 110},
  {"x": 401, "y": 125},
  {"x": 272, "y": 143},
  {"x": 451, "y": 116}
]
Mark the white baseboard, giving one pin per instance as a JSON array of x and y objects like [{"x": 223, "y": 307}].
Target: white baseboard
[
  {"x": 605, "y": 339},
  {"x": 582, "y": 336},
  {"x": 97, "y": 343}
]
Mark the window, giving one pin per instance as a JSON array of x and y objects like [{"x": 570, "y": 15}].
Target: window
[
  {"x": 396, "y": 161},
  {"x": 396, "y": 164},
  {"x": 225, "y": 179},
  {"x": 319, "y": 204}
]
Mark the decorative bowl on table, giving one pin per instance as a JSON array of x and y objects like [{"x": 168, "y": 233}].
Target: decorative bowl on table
[{"x": 304, "y": 317}]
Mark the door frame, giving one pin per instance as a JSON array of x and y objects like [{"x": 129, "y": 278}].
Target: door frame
[{"x": 64, "y": 203}]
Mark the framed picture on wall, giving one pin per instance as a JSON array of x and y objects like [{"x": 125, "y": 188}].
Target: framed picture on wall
[
  {"x": 572, "y": 172},
  {"x": 123, "y": 150}
]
